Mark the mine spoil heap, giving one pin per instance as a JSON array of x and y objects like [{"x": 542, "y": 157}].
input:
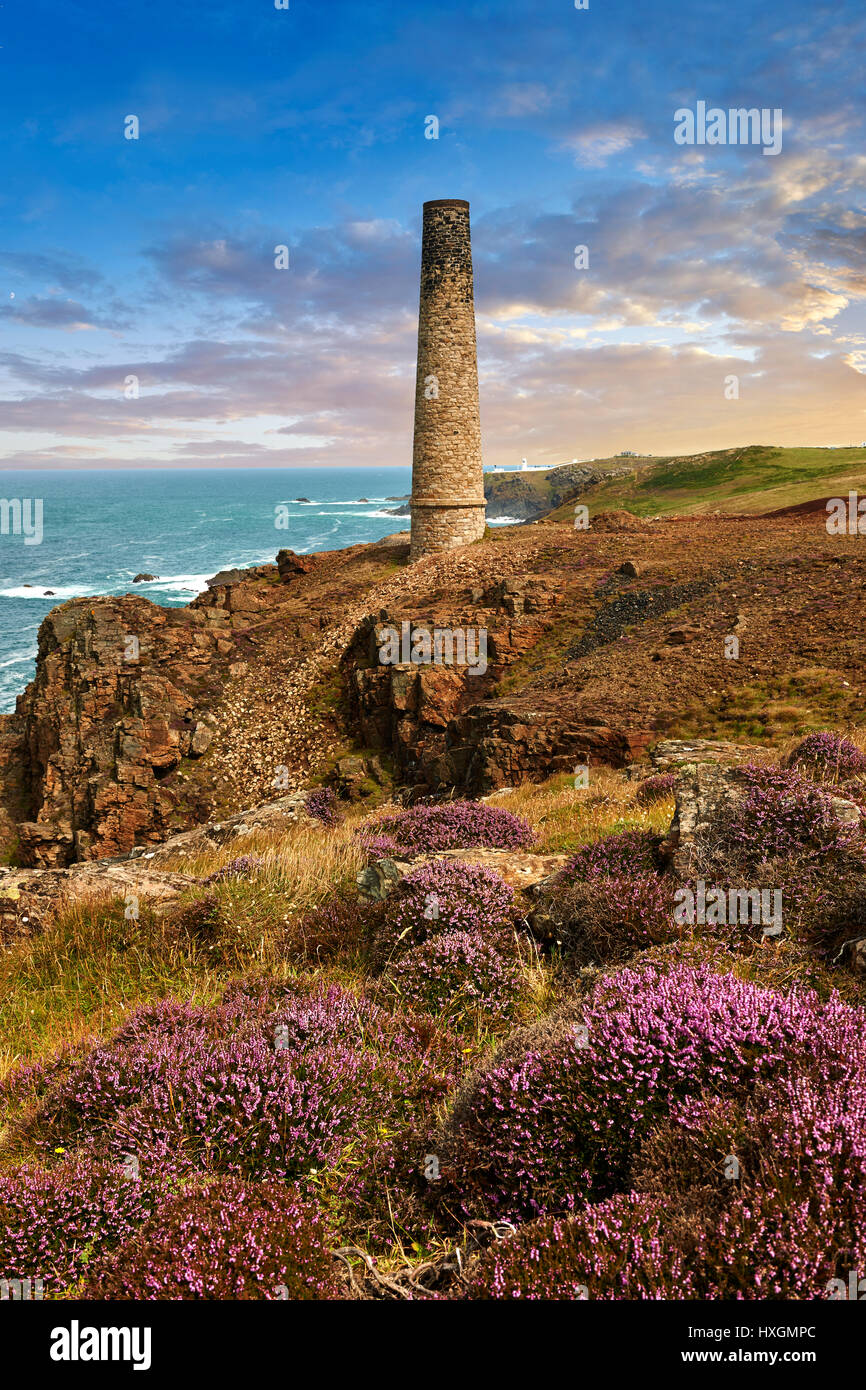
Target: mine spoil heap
[{"x": 447, "y": 478}]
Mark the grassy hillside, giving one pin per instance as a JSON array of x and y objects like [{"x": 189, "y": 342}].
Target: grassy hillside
[{"x": 754, "y": 478}]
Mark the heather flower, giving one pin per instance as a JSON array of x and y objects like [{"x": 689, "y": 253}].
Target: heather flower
[
  {"x": 268, "y": 1084},
  {"x": 321, "y": 804},
  {"x": 782, "y": 816},
  {"x": 828, "y": 757},
  {"x": 606, "y": 919},
  {"x": 656, "y": 788},
  {"x": 454, "y": 825},
  {"x": 377, "y": 846},
  {"x": 790, "y": 1217},
  {"x": 230, "y": 1240},
  {"x": 615, "y": 1250},
  {"x": 243, "y": 867},
  {"x": 623, "y": 853},
  {"x": 52, "y": 1221},
  {"x": 456, "y": 973},
  {"x": 445, "y": 895},
  {"x": 557, "y": 1115}
]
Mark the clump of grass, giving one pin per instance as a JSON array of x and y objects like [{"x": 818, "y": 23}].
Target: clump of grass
[{"x": 565, "y": 817}]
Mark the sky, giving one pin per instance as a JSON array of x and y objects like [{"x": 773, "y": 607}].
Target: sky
[{"x": 720, "y": 301}]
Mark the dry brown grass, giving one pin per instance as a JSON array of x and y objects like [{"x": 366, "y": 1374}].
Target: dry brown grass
[{"x": 566, "y": 816}]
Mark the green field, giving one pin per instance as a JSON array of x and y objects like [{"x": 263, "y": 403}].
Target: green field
[{"x": 754, "y": 478}]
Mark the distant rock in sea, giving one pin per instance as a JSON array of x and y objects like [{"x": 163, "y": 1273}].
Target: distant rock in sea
[
  {"x": 364, "y": 499},
  {"x": 302, "y": 499},
  {"x": 405, "y": 498},
  {"x": 144, "y": 578}
]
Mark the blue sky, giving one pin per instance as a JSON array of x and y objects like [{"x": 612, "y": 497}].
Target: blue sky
[{"x": 305, "y": 127}]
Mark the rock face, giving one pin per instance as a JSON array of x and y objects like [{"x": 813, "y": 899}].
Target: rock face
[
  {"x": 441, "y": 730},
  {"x": 122, "y": 696},
  {"x": 522, "y": 872},
  {"x": 704, "y": 794},
  {"x": 528, "y": 496},
  {"x": 289, "y": 564},
  {"x": 672, "y": 753},
  {"x": 29, "y": 898}
]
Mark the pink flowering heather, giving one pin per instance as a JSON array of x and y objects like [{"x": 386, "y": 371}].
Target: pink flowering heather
[
  {"x": 829, "y": 757},
  {"x": 243, "y": 867},
  {"x": 231, "y": 1240},
  {"x": 445, "y": 895},
  {"x": 795, "y": 1218},
  {"x": 788, "y": 1224},
  {"x": 616, "y": 1250},
  {"x": 52, "y": 1221},
  {"x": 270, "y": 1083},
  {"x": 552, "y": 1122},
  {"x": 607, "y": 919},
  {"x": 454, "y": 825},
  {"x": 377, "y": 846},
  {"x": 321, "y": 804},
  {"x": 656, "y": 788},
  {"x": 783, "y": 816},
  {"x": 460, "y": 973},
  {"x": 614, "y": 856}
]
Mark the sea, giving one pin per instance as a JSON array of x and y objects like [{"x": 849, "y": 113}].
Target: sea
[{"x": 101, "y": 527}]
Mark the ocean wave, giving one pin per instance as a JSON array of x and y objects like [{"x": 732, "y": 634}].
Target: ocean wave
[
  {"x": 58, "y": 595},
  {"x": 185, "y": 583}
]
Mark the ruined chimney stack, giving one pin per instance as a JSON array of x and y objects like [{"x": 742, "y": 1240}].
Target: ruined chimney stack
[{"x": 447, "y": 479}]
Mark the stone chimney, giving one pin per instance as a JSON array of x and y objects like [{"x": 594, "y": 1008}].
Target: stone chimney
[{"x": 447, "y": 479}]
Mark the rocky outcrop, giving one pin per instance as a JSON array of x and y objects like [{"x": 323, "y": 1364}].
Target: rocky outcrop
[
  {"x": 521, "y": 871},
  {"x": 705, "y": 795},
  {"x": 124, "y": 695},
  {"x": 30, "y": 897},
  {"x": 528, "y": 496},
  {"x": 440, "y": 722},
  {"x": 670, "y": 754}
]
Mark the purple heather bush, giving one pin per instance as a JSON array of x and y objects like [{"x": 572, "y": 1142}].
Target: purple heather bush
[
  {"x": 782, "y": 816},
  {"x": 54, "y": 1222},
  {"x": 828, "y": 757},
  {"x": 377, "y": 846},
  {"x": 614, "y": 856},
  {"x": 271, "y": 1083},
  {"x": 321, "y": 804},
  {"x": 243, "y": 867},
  {"x": 231, "y": 1240},
  {"x": 656, "y": 788},
  {"x": 616, "y": 1250},
  {"x": 558, "y": 1114},
  {"x": 606, "y": 919},
  {"x": 454, "y": 825},
  {"x": 459, "y": 974},
  {"x": 444, "y": 895},
  {"x": 792, "y": 1219}
]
